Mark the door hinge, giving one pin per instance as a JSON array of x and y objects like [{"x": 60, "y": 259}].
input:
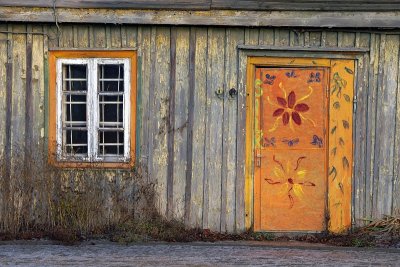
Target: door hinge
[{"x": 354, "y": 104}]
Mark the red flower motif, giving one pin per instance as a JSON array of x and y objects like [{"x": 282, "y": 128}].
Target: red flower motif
[{"x": 290, "y": 109}]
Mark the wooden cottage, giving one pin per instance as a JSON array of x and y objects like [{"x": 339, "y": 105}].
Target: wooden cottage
[{"x": 266, "y": 115}]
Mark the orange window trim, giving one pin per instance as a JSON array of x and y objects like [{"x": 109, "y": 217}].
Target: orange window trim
[{"x": 52, "y": 144}]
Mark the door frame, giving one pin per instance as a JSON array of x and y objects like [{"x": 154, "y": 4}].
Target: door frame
[{"x": 251, "y": 57}]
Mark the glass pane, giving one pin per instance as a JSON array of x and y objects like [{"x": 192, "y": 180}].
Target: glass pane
[
  {"x": 111, "y": 78},
  {"x": 74, "y": 122},
  {"x": 74, "y": 77},
  {"x": 76, "y": 71},
  {"x": 75, "y": 85},
  {"x": 111, "y": 86},
  {"x": 112, "y": 71},
  {"x": 111, "y": 142},
  {"x": 75, "y": 142},
  {"x": 111, "y": 109}
]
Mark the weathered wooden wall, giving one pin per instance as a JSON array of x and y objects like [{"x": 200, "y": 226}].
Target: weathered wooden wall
[{"x": 186, "y": 134}]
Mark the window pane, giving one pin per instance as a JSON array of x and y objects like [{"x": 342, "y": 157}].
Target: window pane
[
  {"x": 111, "y": 78},
  {"x": 74, "y": 104},
  {"x": 75, "y": 85},
  {"x": 112, "y": 71},
  {"x": 111, "y": 143},
  {"x": 111, "y": 86},
  {"x": 74, "y": 77},
  {"x": 75, "y": 71},
  {"x": 111, "y": 108},
  {"x": 75, "y": 142}
]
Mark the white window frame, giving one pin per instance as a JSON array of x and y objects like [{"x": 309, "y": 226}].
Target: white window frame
[{"x": 92, "y": 109}]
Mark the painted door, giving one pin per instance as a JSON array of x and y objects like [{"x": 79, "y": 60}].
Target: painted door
[{"x": 291, "y": 156}]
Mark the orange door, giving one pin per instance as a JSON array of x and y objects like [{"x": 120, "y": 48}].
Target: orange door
[{"x": 292, "y": 154}]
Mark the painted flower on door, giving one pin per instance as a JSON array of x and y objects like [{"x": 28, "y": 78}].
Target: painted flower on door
[
  {"x": 291, "y": 177},
  {"x": 290, "y": 109}
]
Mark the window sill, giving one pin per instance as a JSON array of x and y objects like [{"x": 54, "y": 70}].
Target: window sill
[{"x": 92, "y": 165}]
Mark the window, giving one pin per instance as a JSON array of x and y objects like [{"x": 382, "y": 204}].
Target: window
[{"x": 92, "y": 104}]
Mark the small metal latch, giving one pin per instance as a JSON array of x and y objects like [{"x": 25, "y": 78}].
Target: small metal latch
[{"x": 258, "y": 158}]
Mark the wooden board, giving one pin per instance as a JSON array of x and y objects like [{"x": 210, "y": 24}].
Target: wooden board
[
  {"x": 328, "y": 5},
  {"x": 139, "y": 4},
  {"x": 340, "y": 169},
  {"x": 326, "y": 19},
  {"x": 199, "y": 128}
]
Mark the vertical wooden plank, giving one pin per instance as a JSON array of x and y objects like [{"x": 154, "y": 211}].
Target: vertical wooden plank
[
  {"x": 396, "y": 160},
  {"x": 161, "y": 88},
  {"x": 340, "y": 39},
  {"x": 171, "y": 125},
  {"x": 144, "y": 55},
  {"x": 377, "y": 144},
  {"x": 18, "y": 94},
  {"x": 3, "y": 127},
  {"x": 307, "y": 38},
  {"x": 360, "y": 132},
  {"x": 386, "y": 119},
  {"x": 99, "y": 36},
  {"x": 152, "y": 105},
  {"x": 215, "y": 82},
  {"x": 38, "y": 116},
  {"x": 282, "y": 37},
  {"x": 3, "y": 108},
  {"x": 315, "y": 38},
  {"x": 296, "y": 38},
  {"x": 75, "y": 35},
  {"x": 3, "y": 86},
  {"x": 234, "y": 37},
  {"x": 252, "y": 36},
  {"x": 331, "y": 39},
  {"x": 200, "y": 46},
  {"x": 242, "y": 180},
  {"x": 189, "y": 147},
  {"x": 340, "y": 169},
  {"x": 124, "y": 41},
  {"x": 53, "y": 36},
  {"x": 115, "y": 35},
  {"x": 180, "y": 126},
  {"x": 266, "y": 36},
  {"x": 45, "y": 87},
  {"x": 131, "y": 36},
  {"x": 91, "y": 36},
  {"x": 28, "y": 95},
  {"x": 82, "y": 36},
  {"x": 323, "y": 38},
  {"x": 371, "y": 127},
  {"x": 108, "y": 36},
  {"x": 348, "y": 39},
  {"x": 67, "y": 36},
  {"x": 8, "y": 135}
]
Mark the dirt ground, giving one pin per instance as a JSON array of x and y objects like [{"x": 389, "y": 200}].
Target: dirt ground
[{"x": 226, "y": 253}]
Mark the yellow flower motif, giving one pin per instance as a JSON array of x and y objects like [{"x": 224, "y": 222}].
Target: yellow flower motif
[{"x": 291, "y": 178}]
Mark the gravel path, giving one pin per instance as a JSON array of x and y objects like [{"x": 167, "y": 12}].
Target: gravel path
[{"x": 101, "y": 253}]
